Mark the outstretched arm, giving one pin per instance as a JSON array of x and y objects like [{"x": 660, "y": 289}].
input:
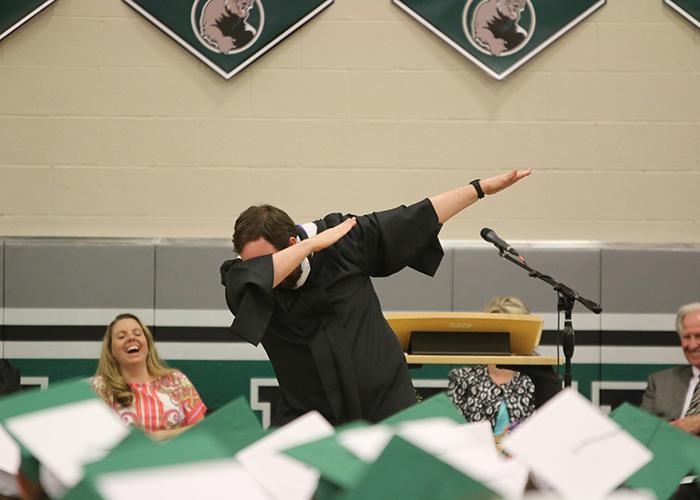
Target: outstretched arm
[
  {"x": 450, "y": 203},
  {"x": 287, "y": 260}
]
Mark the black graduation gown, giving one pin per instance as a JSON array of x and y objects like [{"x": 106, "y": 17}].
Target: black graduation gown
[{"x": 329, "y": 344}]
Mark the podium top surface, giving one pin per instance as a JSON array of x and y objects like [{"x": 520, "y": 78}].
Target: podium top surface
[
  {"x": 417, "y": 359},
  {"x": 525, "y": 329}
]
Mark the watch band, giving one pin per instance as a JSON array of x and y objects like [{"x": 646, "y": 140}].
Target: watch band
[{"x": 477, "y": 187}]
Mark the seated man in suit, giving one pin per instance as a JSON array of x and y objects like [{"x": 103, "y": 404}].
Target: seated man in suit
[{"x": 674, "y": 394}]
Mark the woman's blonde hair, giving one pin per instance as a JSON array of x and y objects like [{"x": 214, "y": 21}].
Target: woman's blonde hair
[
  {"x": 506, "y": 305},
  {"x": 116, "y": 387}
]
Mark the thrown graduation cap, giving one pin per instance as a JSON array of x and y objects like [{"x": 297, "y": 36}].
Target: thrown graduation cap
[
  {"x": 207, "y": 479},
  {"x": 576, "y": 450},
  {"x": 234, "y": 425},
  {"x": 62, "y": 428},
  {"x": 675, "y": 452},
  {"x": 339, "y": 467},
  {"x": 415, "y": 475},
  {"x": 202, "y": 455},
  {"x": 345, "y": 458},
  {"x": 9, "y": 453},
  {"x": 435, "y": 406},
  {"x": 138, "y": 460},
  {"x": 10, "y": 458},
  {"x": 282, "y": 476}
]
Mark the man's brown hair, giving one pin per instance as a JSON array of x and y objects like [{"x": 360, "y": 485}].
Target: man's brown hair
[{"x": 267, "y": 221}]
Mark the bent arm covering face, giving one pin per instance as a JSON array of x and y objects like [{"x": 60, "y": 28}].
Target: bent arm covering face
[{"x": 249, "y": 295}]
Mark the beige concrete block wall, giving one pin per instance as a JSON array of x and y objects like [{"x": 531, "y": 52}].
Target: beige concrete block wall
[{"x": 109, "y": 128}]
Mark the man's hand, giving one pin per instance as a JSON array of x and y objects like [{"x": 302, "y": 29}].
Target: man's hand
[
  {"x": 493, "y": 185},
  {"x": 450, "y": 203},
  {"x": 329, "y": 236},
  {"x": 688, "y": 424},
  {"x": 286, "y": 261}
]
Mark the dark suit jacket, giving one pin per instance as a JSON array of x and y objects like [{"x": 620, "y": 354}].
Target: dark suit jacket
[{"x": 666, "y": 391}]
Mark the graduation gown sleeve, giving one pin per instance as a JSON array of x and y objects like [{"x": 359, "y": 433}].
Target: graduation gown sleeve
[
  {"x": 249, "y": 295},
  {"x": 386, "y": 242}
]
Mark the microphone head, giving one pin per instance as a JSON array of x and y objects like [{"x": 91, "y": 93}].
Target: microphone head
[{"x": 485, "y": 232}]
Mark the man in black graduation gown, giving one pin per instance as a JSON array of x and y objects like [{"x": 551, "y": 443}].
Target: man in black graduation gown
[{"x": 305, "y": 293}]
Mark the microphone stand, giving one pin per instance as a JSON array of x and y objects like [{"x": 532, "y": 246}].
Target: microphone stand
[{"x": 566, "y": 298}]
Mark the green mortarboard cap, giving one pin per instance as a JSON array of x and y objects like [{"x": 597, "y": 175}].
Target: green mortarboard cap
[
  {"x": 670, "y": 463},
  {"x": 435, "y": 406},
  {"x": 405, "y": 471}
]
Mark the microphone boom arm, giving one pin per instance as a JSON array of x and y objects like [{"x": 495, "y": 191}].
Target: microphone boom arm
[
  {"x": 567, "y": 297},
  {"x": 561, "y": 288}
]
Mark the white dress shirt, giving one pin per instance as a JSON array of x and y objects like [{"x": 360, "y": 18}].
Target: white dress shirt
[{"x": 691, "y": 388}]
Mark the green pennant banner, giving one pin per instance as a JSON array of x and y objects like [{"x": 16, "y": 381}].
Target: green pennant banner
[
  {"x": 690, "y": 9},
  {"x": 228, "y": 35},
  {"x": 14, "y": 13},
  {"x": 499, "y": 36}
]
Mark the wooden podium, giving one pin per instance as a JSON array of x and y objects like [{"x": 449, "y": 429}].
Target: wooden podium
[{"x": 524, "y": 331}]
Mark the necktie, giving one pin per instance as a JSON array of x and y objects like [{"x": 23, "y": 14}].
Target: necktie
[{"x": 694, "y": 408}]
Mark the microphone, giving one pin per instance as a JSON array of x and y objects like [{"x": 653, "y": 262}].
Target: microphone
[{"x": 491, "y": 236}]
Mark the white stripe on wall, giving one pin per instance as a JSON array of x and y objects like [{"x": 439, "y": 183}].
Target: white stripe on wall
[
  {"x": 70, "y": 317},
  {"x": 193, "y": 317},
  {"x": 580, "y": 321},
  {"x": 210, "y": 351},
  {"x": 639, "y": 322},
  {"x": 582, "y": 354},
  {"x": 238, "y": 351},
  {"x": 643, "y": 355},
  {"x": 52, "y": 350},
  {"x": 223, "y": 318}
]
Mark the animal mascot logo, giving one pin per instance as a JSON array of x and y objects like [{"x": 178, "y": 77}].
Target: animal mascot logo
[
  {"x": 499, "y": 27},
  {"x": 228, "y": 35},
  {"x": 227, "y": 26},
  {"x": 499, "y": 36}
]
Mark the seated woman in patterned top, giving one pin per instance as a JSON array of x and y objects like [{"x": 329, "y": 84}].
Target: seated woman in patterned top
[
  {"x": 133, "y": 380},
  {"x": 485, "y": 392}
]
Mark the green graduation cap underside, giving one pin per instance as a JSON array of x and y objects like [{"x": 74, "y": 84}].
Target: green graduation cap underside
[{"x": 675, "y": 452}]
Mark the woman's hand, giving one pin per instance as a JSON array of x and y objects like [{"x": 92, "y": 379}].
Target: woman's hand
[
  {"x": 166, "y": 434},
  {"x": 497, "y": 183}
]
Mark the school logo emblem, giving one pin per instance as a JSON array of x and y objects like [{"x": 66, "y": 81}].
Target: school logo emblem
[
  {"x": 499, "y": 36},
  {"x": 228, "y": 26},
  {"x": 499, "y": 27},
  {"x": 14, "y": 14},
  {"x": 228, "y": 35},
  {"x": 690, "y": 9}
]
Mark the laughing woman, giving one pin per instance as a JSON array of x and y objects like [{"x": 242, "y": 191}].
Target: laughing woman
[{"x": 133, "y": 380}]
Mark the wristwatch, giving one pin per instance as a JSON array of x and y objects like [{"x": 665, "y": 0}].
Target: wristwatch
[{"x": 477, "y": 187}]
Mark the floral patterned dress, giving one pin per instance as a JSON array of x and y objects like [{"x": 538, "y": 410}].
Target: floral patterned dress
[
  {"x": 479, "y": 398},
  {"x": 165, "y": 403}
]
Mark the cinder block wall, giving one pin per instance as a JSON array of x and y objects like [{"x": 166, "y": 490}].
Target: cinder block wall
[{"x": 109, "y": 128}]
